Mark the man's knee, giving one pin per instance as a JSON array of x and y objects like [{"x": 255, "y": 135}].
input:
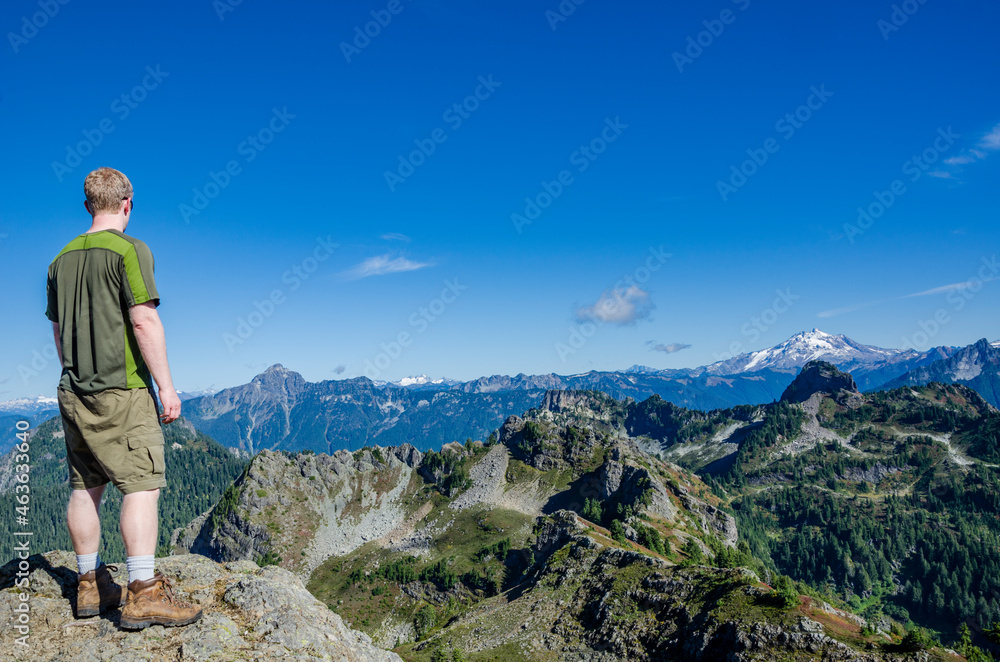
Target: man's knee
[
  {"x": 143, "y": 495},
  {"x": 87, "y": 494}
]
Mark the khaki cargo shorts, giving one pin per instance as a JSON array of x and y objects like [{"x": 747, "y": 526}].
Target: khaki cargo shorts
[{"x": 113, "y": 436}]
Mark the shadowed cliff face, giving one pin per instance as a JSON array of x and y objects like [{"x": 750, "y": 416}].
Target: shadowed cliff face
[
  {"x": 818, "y": 377},
  {"x": 249, "y": 613}
]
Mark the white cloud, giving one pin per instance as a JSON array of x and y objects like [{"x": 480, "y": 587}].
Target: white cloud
[
  {"x": 381, "y": 265},
  {"x": 623, "y": 306},
  {"x": 988, "y": 143},
  {"x": 934, "y": 290},
  {"x": 991, "y": 140},
  {"x": 948, "y": 288},
  {"x": 669, "y": 349},
  {"x": 849, "y": 309},
  {"x": 395, "y": 236}
]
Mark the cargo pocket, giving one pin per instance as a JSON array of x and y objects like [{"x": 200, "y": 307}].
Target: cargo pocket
[{"x": 146, "y": 451}]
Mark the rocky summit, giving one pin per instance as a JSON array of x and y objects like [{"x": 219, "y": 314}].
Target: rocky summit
[
  {"x": 818, "y": 377},
  {"x": 251, "y": 613}
]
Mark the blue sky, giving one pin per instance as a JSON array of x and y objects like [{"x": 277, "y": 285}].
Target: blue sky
[{"x": 614, "y": 129}]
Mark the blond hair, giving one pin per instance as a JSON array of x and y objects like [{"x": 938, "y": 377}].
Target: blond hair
[{"x": 105, "y": 189}]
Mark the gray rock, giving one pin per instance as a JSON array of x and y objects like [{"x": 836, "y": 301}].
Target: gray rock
[{"x": 265, "y": 614}]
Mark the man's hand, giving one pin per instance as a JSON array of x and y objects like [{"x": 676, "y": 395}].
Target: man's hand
[{"x": 171, "y": 405}]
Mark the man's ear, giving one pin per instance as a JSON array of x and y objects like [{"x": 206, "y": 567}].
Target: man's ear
[{"x": 86, "y": 205}]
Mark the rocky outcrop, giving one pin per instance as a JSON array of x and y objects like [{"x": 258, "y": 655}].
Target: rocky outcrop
[
  {"x": 819, "y": 377},
  {"x": 874, "y": 475},
  {"x": 711, "y": 520},
  {"x": 553, "y": 532},
  {"x": 306, "y": 508},
  {"x": 488, "y": 480},
  {"x": 250, "y": 613},
  {"x": 629, "y": 483},
  {"x": 545, "y": 443}
]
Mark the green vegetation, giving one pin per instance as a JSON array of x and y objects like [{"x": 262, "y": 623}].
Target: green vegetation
[
  {"x": 440, "y": 575},
  {"x": 424, "y": 621},
  {"x": 785, "y": 595},
  {"x": 593, "y": 510},
  {"x": 497, "y": 550},
  {"x": 479, "y": 555},
  {"x": 448, "y": 470},
  {"x": 782, "y": 422},
  {"x": 894, "y": 528},
  {"x": 618, "y": 532},
  {"x": 692, "y": 550},
  {"x": 651, "y": 539},
  {"x": 268, "y": 558}
]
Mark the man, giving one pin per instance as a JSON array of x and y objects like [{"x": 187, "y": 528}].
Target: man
[{"x": 102, "y": 303}]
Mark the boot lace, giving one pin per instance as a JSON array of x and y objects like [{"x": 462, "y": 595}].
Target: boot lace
[{"x": 167, "y": 593}]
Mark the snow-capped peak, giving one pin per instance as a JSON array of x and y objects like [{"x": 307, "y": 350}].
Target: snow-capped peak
[
  {"x": 637, "y": 369},
  {"x": 802, "y": 348},
  {"x": 996, "y": 343},
  {"x": 413, "y": 381},
  {"x": 418, "y": 380}
]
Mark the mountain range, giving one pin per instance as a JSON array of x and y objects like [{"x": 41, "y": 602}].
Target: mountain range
[
  {"x": 871, "y": 367},
  {"x": 596, "y": 528},
  {"x": 279, "y": 410},
  {"x": 977, "y": 366},
  {"x": 828, "y": 524}
]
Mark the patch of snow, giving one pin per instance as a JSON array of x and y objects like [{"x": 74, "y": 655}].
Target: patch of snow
[{"x": 413, "y": 381}]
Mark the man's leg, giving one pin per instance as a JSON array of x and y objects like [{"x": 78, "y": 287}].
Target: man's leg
[
  {"x": 139, "y": 526},
  {"x": 84, "y": 521},
  {"x": 96, "y": 591}
]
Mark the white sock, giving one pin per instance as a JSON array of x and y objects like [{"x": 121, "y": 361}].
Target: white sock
[
  {"x": 87, "y": 562},
  {"x": 140, "y": 567}
]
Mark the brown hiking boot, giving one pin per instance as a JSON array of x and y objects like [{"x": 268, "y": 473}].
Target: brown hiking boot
[
  {"x": 96, "y": 592},
  {"x": 152, "y": 602}
]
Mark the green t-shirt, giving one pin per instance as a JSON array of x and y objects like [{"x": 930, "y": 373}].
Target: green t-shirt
[{"x": 92, "y": 284}]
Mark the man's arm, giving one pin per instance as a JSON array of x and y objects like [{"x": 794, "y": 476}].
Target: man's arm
[
  {"x": 55, "y": 332},
  {"x": 149, "y": 334}
]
